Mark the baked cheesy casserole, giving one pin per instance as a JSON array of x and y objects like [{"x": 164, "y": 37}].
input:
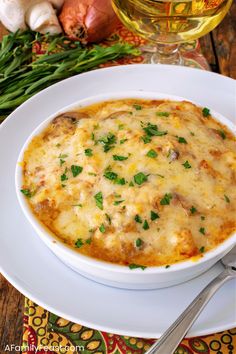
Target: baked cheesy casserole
[{"x": 134, "y": 182}]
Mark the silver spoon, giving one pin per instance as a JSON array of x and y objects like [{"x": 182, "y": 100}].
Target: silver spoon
[{"x": 170, "y": 340}]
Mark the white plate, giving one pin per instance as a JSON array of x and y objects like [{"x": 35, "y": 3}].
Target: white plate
[{"x": 28, "y": 264}]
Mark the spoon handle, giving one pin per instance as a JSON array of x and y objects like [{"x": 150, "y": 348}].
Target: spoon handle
[{"x": 170, "y": 340}]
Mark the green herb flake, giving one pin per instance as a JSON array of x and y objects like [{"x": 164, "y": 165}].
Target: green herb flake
[
  {"x": 166, "y": 199},
  {"x": 108, "y": 142},
  {"x": 26, "y": 193},
  {"x": 192, "y": 133},
  {"x": 110, "y": 175},
  {"x": 162, "y": 114},
  {"x": 138, "y": 242},
  {"x": 121, "y": 126},
  {"x": 136, "y": 266},
  {"x": 62, "y": 161},
  {"x": 182, "y": 140},
  {"x": 117, "y": 202},
  {"x": 222, "y": 134},
  {"x": 62, "y": 156},
  {"x": 206, "y": 112},
  {"x": 77, "y": 205},
  {"x": 102, "y": 228},
  {"x": 92, "y": 174},
  {"x": 202, "y": 249},
  {"x": 92, "y": 136},
  {"x": 108, "y": 218},
  {"x": 120, "y": 181},
  {"x": 152, "y": 130},
  {"x": 145, "y": 225},
  {"x": 167, "y": 266},
  {"x": 99, "y": 200},
  {"x": 154, "y": 215},
  {"x": 140, "y": 178},
  {"x": 186, "y": 164},
  {"x": 138, "y": 219},
  {"x": 88, "y": 152},
  {"x": 227, "y": 199},
  {"x": 146, "y": 139},
  {"x": 131, "y": 184},
  {"x": 64, "y": 177},
  {"x": 193, "y": 210},
  {"x": 203, "y": 217},
  {"x": 202, "y": 230},
  {"x": 122, "y": 141},
  {"x": 137, "y": 107},
  {"x": 76, "y": 170},
  {"x": 152, "y": 153},
  {"x": 58, "y": 145},
  {"x": 119, "y": 158},
  {"x": 79, "y": 243},
  {"x": 88, "y": 241}
]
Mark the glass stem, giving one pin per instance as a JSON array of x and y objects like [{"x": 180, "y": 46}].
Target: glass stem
[{"x": 167, "y": 54}]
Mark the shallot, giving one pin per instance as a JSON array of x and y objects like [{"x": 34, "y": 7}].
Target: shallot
[{"x": 88, "y": 20}]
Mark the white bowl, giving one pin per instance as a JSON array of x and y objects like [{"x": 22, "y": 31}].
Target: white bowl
[{"x": 112, "y": 274}]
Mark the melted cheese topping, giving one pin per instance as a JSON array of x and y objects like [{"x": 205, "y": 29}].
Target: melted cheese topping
[{"x": 134, "y": 182}]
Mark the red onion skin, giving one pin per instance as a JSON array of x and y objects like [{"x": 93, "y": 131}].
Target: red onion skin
[{"x": 88, "y": 20}]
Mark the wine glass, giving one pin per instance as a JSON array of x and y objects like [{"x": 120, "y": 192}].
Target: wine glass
[{"x": 168, "y": 23}]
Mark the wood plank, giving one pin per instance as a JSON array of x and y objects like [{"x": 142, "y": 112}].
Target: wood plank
[
  {"x": 11, "y": 315},
  {"x": 225, "y": 43},
  {"x": 208, "y": 51}
]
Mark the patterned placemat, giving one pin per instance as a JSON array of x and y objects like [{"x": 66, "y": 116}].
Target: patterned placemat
[{"x": 44, "y": 332}]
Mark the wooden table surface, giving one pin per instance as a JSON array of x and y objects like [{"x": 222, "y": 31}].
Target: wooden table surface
[{"x": 219, "y": 47}]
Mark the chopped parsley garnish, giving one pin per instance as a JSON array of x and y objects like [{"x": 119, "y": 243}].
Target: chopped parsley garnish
[
  {"x": 227, "y": 199},
  {"x": 26, "y": 192},
  {"x": 92, "y": 174},
  {"x": 88, "y": 241},
  {"x": 138, "y": 219},
  {"x": 206, "y": 112},
  {"x": 99, "y": 200},
  {"x": 137, "y": 107},
  {"x": 58, "y": 145},
  {"x": 154, "y": 215},
  {"x": 140, "y": 178},
  {"x": 121, "y": 126},
  {"x": 167, "y": 266},
  {"x": 202, "y": 230},
  {"x": 192, "y": 133},
  {"x": 62, "y": 156},
  {"x": 63, "y": 185},
  {"x": 108, "y": 218},
  {"x": 64, "y": 176},
  {"x": 152, "y": 153},
  {"x": 76, "y": 170},
  {"x": 108, "y": 142},
  {"x": 120, "y": 181},
  {"x": 193, "y": 210},
  {"x": 145, "y": 225},
  {"x": 88, "y": 152},
  {"x": 102, "y": 228},
  {"x": 146, "y": 139},
  {"x": 138, "y": 242},
  {"x": 202, "y": 249},
  {"x": 182, "y": 140},
  {"x": 131, "y": 184},
  {"x": 152, "y": 130},
  {"x": 117, "y": 202},
  {"x": 110, "y": 175},
  {"x": 203, "y": 217},
  {"x": 93, "y": 136},
  {"x": 122, "y": 141},
  {"x": 62, "y": 161},
  {"x": 222, "y": 134},
  {"x": 135, "y": 266},
  {"x": 79, "y": 243},
  {"x": 162, "y": 114},
  {"x": 166, "y": 199},
  {"x": 119, "y": 158},
  {"x": 186, "y": 164}
]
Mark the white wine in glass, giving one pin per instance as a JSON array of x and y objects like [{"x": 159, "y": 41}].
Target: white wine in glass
[{"x": 168, "y": 23}]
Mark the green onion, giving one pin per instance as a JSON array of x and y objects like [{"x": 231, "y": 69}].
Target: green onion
[
  {"x": 152, "y": 153},
  {"x": 79, "y": 243},
  {"x": 145, "y": 225},
  {"x": 206, "y": 112},
  {"x": 186, "y": 164},
  {"x": 154, "y": 215},
  {"x": 166, "y": 199},
  {"x": 76, "y": 170},
  {"x": 140, "y": 178},
  {"x": 88, "y": 152},
  {"x": 99, "y": 200},
  {"x": 136, "y": 266}
]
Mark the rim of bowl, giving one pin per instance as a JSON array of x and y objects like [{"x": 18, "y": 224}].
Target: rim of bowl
[{"x": 47, "y": 236}]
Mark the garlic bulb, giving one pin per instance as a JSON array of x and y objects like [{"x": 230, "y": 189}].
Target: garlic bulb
[{"x": 41, "y": 17}]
